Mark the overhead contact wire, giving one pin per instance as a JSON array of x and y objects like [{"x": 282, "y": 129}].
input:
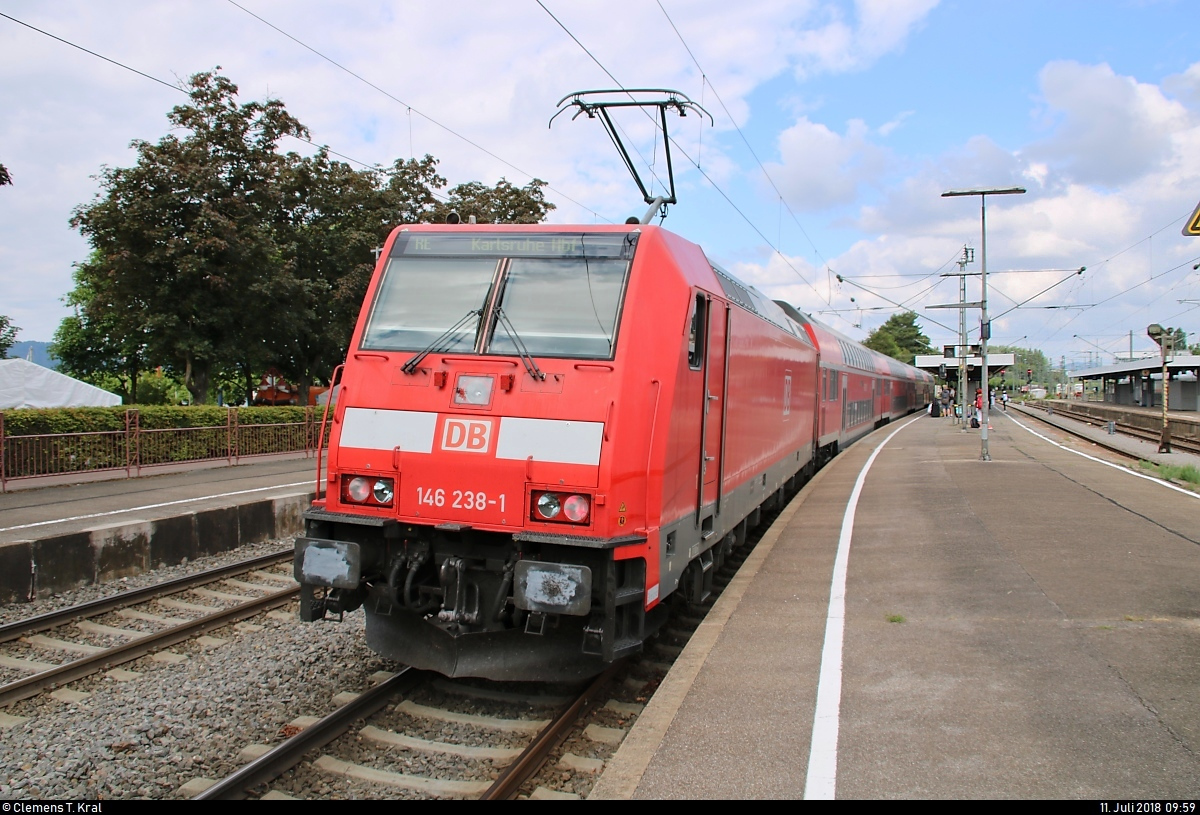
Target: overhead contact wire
[
  {"x": 691, "y": 160},
  {"x": 409, "y": 107}
]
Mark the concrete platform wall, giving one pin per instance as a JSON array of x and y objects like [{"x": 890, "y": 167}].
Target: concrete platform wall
[{"x": 39, "y": 568}]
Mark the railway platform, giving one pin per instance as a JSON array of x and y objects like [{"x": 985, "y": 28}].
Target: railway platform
[
  {"x": 59, "y": 537},
  {"x": 918, "y": 623}
]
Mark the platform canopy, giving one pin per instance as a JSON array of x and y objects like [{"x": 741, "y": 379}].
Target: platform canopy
[
  {"x": 26, "y": 385},
  {"x": 1149, "y": 367},
  {"x": 932, "y": 362}
]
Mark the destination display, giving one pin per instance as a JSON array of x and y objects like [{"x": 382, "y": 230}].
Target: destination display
[{"x": 540, "y": 244}]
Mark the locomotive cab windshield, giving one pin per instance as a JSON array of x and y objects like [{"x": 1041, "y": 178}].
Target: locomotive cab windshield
[{"x": 546, "y": 295}]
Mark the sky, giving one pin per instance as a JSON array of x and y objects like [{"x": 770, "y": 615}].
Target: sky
[{"x": 836, "y": 127}]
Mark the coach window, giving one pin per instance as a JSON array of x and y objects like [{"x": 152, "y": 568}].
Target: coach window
[{"x": 696, "y": 334}]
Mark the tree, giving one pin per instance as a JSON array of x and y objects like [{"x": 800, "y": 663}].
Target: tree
[
  {"x": 1027, "y": 359},
  {"x": 8, "y": 335},
  {"x": 900, "y": 338},
  {"x": 501, "y": 204},
  {"x": 96, "y": 344},
  {"x": 217, "y": 256},
  {"x": 185, "y": 234},
  {"x": 5, "y": 177},
  {"x": 885, "y": 344},
  {"x": 333, "y": 219}
]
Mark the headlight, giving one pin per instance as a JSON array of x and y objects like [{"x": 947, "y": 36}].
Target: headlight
[
  {"x": 547, "y": 505},
  {"x": 383, "y": 491},
  {"x": 358, "y": 489},
  {"x": 576, "y": 508},
  {"x": 561, "y": 508}
]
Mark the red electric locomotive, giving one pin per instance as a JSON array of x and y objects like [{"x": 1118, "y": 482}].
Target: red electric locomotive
[{"x": 545, "y": 431}]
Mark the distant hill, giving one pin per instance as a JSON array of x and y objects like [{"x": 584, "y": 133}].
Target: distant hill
[{"x": 41, "y": 353}]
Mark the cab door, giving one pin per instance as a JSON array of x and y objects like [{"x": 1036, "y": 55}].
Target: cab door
[{"x": 715, "y": 377}]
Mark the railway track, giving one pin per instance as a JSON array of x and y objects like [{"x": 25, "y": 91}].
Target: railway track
[
  {"x": 108, "y": 632},
  {"x": 1183, "y": 446},
  {"x": 417, "y": 735},
  {"x": 519, "y": 764},
  {"x": 153, "y": 742}
]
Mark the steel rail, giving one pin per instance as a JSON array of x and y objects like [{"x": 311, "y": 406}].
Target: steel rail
[
  {"x": 1183, "y": 445},
  {"x": 508, "y": 784},
  {"x": 288, "y": 754},
  {"x": 42, "y": 622},
  {"x": 1123, "y": 429},
  {"x": 141, "y": 646}
]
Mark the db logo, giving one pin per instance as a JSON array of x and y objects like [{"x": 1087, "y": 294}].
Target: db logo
[{"x": 466, "y": 435}]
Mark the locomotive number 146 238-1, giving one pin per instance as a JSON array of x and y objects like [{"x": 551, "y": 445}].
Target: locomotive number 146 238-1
[{"x": 458, "y": 499}]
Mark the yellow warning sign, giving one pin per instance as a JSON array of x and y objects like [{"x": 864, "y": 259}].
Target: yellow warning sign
[{"x": 1192, "y": 227}]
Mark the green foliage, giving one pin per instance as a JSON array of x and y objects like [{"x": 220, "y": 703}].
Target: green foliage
[
  {"x": 5, "y": 176},
  {"x": 158, "y": 388},
  {"x": 86, "y": 439},
  {"x": 96, "y": 344},
  {"x": 8, "y": 335},
  {"x": 1026, "y": 359},
  {"x": 1173, "y": 472},
  {"x": 34, "y": 422},
  {"x": 217, "y": 256},
  {"x": 885, "y": 344},
  {"x": 180, "y": 238},
  {"x": 502, "y": 204},
  {"x": 900, "y": 338}
]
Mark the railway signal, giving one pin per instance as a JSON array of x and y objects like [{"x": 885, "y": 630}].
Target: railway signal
[{"x": 1168, "y": 340}]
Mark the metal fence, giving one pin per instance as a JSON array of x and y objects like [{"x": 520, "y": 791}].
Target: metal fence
[{"x": 135, "y": 448}]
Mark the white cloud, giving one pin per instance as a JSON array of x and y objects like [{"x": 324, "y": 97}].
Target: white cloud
[
  {"x": 1185, "y": 86},
  {"x": 1107, "y": 190},
  {"x": 887, "y": 128},
  {"x": 822, "y": 169},
  {"x": 1110, "y": 129},
  {"x": 878, "y": 27}
]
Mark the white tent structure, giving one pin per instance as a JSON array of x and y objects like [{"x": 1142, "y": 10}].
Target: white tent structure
[{"x": 26, "y": 385}]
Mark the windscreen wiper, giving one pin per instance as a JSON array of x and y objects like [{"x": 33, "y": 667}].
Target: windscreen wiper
[
  {"x": 442, "y": 340},
  {"x": 526, "y": 357}
]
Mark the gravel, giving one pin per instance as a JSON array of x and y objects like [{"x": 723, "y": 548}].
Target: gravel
[
  {"x": 19, "y": 611},
  {"x": 145, "y": 737}
]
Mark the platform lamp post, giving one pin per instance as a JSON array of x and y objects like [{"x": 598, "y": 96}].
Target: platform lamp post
[{"x": 985, "y": 328}]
